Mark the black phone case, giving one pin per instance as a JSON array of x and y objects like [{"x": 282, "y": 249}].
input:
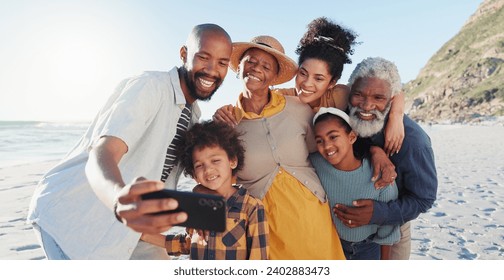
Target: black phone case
[{"x": 204, "y": 211}]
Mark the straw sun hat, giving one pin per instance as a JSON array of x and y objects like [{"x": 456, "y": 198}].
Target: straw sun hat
[{"x": 288, "y": 67}]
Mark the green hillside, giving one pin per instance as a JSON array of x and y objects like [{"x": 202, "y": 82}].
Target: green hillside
[{"x": 464, "y": 80}]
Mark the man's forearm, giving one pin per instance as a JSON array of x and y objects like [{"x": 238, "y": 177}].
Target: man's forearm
[
  {"x": 400, "y": 211},
  {"x": 102, "y": 169}
]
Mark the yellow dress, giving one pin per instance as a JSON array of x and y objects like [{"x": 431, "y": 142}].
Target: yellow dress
[{"x": 300, "y": 225}]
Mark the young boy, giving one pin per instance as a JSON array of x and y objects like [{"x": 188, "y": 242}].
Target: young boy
[
  {"x": 345, "y": 178},
  {"x": 212, "y": 155}
]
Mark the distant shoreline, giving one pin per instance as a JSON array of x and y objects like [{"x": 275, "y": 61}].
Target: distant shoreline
[{"x": 480, "y": 121}]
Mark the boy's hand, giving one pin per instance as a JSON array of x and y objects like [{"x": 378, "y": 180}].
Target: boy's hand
[{"x": 203, "y": 234}]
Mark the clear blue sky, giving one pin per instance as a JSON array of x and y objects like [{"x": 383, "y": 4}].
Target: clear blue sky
[{"x": 61, "y": 59}]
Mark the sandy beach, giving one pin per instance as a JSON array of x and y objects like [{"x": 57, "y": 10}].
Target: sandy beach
[{"x": 466, "y": 222}]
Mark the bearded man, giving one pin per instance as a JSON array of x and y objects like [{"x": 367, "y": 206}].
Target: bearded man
[{"x": 373, "y": 85}]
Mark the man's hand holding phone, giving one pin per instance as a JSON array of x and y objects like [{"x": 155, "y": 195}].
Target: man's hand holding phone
[
  {"x": 205, "y": 210},
  {"x": 137, "y": 213}
]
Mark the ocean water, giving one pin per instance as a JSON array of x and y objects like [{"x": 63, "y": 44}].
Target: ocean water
[
  {"x": 23, "y": 142},
  {"x": 27, "y": 142}
]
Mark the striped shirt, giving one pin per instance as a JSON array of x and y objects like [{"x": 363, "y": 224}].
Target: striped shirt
[
  {"x": 245, "y": 237},
  {"x": 171, "y": 153}
]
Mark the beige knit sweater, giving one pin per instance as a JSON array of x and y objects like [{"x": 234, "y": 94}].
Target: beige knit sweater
[{"x": 283, "y": 141}]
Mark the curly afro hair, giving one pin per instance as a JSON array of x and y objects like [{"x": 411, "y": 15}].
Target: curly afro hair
[
  {"x": 329, "y": 42},
  {"x": 211, "y": 134}
]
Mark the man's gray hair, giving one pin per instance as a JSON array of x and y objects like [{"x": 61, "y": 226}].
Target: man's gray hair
[{"x": 377, "y": 67}]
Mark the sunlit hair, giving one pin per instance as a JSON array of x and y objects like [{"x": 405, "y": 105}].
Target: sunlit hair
[
  {"x": 377, "y": 67},
  {"x": 211, "y": 134},
  {"x": 328, "y": 42}
]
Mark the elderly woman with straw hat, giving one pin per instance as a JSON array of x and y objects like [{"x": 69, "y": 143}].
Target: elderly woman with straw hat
[{"x": 278, "y": 138}]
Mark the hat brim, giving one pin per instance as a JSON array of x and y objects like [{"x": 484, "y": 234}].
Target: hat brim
[{"x": 288, "y": 67}]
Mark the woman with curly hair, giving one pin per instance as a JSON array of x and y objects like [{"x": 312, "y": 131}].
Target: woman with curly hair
[{"x": 323, "y": 50}]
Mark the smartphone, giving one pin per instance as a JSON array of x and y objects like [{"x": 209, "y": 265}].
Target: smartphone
[{"x": 204, "y": 211}]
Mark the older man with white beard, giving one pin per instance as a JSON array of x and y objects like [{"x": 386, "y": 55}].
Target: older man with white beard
[{"x": 374, "y": 83}]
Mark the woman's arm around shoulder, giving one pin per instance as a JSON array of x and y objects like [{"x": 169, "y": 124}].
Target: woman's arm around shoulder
[{"x": 394, "y": 130}]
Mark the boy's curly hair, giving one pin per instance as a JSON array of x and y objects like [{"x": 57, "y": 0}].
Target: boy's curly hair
[
  {"x": 211, "y": 134},
  {"x": 329, "y": 42}
]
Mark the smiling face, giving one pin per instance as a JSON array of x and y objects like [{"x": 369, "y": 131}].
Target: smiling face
[
  {"x": 335, "y": 143},
  {"x": 213, "y": 169},
  {"x": 369, "y": 105},
  {"x": 258, "y": 69},
  {"x": 206, "y": 61},
  {"x": 313, "y": 80}
]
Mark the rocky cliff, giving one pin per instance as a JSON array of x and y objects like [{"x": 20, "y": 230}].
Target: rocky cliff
[{"x": 464, "y": 80}]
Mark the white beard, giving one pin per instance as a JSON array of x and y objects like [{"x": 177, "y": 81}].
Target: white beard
[{"x": 368, "y": 128}]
